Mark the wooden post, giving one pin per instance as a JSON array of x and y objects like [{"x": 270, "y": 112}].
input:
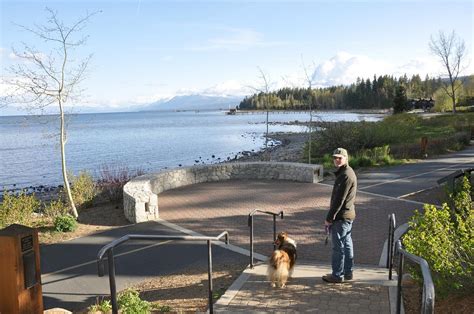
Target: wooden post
[
  {"x": 20, "y": 284},
  {"x": 424, "y": 146}
]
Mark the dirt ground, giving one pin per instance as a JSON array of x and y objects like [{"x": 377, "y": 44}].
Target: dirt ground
[
  {"x": 100, "y": 217},
  {"x": 459, "y": 304},
  {"x": 188, "y": 291}
]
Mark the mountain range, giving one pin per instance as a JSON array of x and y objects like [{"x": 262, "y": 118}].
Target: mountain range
[{"x": 177, "y": 103}]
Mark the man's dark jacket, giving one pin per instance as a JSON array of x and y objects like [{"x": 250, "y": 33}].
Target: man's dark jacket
[{"x": 343, "y": 195}]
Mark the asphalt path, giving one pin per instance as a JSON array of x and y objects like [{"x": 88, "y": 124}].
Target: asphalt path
[
  {"x": 403, "y": 180},
  {"x": 70, "y": 273}
]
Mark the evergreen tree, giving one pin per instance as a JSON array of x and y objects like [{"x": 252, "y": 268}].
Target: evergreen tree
[{"x": 400, "y": 101}]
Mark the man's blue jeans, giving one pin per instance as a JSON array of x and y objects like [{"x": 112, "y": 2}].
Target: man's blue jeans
[{"x": 342, "y": 249}]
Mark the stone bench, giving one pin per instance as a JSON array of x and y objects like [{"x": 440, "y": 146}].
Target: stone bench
[{"x": 140, "y": 195}]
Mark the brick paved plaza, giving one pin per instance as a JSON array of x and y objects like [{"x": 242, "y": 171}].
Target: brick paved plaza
[{"x": 210, "y": 208}]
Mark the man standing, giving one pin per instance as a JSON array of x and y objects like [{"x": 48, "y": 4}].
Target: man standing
[{"x": 339, "y": 219}]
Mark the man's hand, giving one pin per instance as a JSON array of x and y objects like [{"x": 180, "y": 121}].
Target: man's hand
[{"x": 327, "y": 223}]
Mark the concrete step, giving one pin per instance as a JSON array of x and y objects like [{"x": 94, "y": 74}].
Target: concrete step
[{"x": 369, "y": 292}]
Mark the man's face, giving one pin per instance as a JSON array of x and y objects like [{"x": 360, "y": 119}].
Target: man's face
[{"x": 339, "y": 161}]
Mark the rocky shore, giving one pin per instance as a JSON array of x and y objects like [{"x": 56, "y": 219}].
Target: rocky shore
[{"x": 290, "y": 148}]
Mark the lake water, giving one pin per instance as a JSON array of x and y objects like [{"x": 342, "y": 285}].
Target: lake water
[{"x": 29, "y": 145}]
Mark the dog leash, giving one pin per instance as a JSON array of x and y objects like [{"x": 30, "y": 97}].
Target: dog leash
[{"x": 328, "y": 231}]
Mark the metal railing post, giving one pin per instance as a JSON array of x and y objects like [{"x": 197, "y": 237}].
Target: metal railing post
[
  {"x": 251, "y": 240},
  {"x": 274, "y": 232},
  {"x": 391, "y": 244},
  {"x": 392, "y": 247},
  {"x": 113, "y": 287},
  {"x": 209, "y": 275},
  {"x": 399, "y": 282},
  {"x": 250, "y": 224},
  {"x": 389, "y": 239}
]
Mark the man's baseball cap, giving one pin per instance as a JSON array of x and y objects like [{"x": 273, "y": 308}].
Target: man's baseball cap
[{"x": 340, "y": 152}]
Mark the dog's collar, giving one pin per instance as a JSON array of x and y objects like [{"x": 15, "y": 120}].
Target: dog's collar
[{"x": 291, "y": 241}]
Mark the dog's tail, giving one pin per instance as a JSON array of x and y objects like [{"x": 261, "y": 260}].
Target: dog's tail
[{"x": 279, "y": 266}]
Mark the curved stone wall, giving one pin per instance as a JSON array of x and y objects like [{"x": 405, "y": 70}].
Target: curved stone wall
[{"x": 140, "y": 195}]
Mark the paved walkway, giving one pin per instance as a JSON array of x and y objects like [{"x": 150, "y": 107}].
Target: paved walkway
[{"x": 210, "y": 208}]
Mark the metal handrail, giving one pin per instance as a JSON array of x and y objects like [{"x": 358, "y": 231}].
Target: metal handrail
[
  {"x": 109, "y": 249},
  {"x": 391, "y": 243},
  {"x": 250, "y": 224},
  {"x": 451, "y": 178},
  {"x": 428, "y": 297}
]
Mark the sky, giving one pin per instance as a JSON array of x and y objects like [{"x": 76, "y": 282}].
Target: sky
[{"x": 144, "y": 51}]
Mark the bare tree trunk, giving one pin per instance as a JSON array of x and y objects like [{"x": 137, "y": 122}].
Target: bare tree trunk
[
  {"x": 266, "y": 134},
  {"x": 453, "y": 96},
  {"x": 62, "y": 142},
  {"x": 310, "y": 130},
  {"x": 451, "y": 50}
]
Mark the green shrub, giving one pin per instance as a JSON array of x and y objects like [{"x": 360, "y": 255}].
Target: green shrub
[
  {"x": 445, "y": 239},
  {"x": 129, "y": 302},
  {"x": 432, "y": 237},
  {"x": 105, "y": 307},
  {"x": 461, "y": 198},
  {"x": 360, "y": 161},
  {"x": 18, "y": 208},
  {"x": 83, "y": 189},
  {"x": 456, "y": 141},
  {"x": 161, "y": 308},
  {"x": 55, "y": 208},
  {"x": 377, "y": 156},
  {"x": 65, "y": 223}
]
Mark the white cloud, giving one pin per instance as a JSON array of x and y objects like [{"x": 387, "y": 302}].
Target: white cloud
[
  {"x": 344, "y": 68},
  {"x": 429, "y": 65}
]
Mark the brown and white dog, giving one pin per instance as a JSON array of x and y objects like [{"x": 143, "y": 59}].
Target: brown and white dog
[{"x": 282, "y": 260}]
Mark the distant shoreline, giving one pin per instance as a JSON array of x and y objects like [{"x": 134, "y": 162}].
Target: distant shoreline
[
  {"x": 358, "y": 111},
  {"x": 223, "y": 110}
]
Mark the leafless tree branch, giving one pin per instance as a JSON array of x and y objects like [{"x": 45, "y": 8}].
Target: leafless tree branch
[
  {"x": 451, "y": 51},
  {"x": 40, "y": 80}
]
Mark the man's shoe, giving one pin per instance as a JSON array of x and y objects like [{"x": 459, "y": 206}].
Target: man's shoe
[
  {"x": 331, "y": 279},
  {"x": 348, "y": 277}
]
